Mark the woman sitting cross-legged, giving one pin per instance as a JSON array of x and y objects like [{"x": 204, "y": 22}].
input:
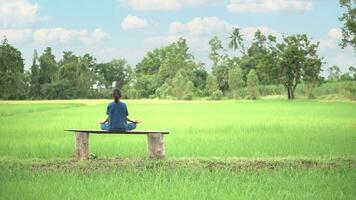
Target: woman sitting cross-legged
[{"x": 117, "y": 115}]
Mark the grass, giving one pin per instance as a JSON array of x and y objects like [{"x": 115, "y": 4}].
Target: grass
[
  {"x": 184, "y": 183},
  {"x": 35, "y": 151}
]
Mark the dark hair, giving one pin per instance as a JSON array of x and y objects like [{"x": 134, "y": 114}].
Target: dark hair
[{"x": 116, "y": 93}]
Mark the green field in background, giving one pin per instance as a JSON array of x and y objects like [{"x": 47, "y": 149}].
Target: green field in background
[{"x": 33, "y": 132}]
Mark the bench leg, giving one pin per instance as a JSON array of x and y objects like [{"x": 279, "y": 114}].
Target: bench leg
[
  {"x": 155, "y": 146},
  {"x": 81, "y": 146}
]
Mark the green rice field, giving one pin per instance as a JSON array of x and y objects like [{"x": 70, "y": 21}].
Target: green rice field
[{"x": 265, "y": 149}]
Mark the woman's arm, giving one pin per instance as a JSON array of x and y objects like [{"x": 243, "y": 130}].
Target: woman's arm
[
  {"x": 133, "y": 121},
  {"x": 106, "y": 120}
]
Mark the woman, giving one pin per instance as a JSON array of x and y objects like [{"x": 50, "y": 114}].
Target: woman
[{"x": 117, "y": 115}]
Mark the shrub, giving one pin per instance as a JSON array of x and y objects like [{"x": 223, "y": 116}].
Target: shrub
[
  {"x": 211, "y": 84},
  {"x": 189, "y": 91},
  {"x": 350, "y": 90},
  {"x": 217, "y": 95},
  {"x": 252, "y": 85},
  {"x": 236, "y": 82},
  {"x": 266, "y": 90},
  {"x": 58, "y": 90},
  {"x": 164, "y": 92}
]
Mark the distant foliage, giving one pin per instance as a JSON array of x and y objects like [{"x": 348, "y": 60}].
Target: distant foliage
[
  {"x": 266, "y": 90},
  {"x": 236, "y": 82},
  {"x": 217, "y": 95},
  {"x": 165, "y": 91},
  {"x": 298, "y": 61},
  {"x": 180, "y": 85},
  {"x": 266, "y": 67},
  {"x": 349, "y": 23},
  {"x": 334, "y": 73},
  {"x": 12, "y": 77},
  {"x": 339, "y": 89},
  {"x": 211, "y": 84},
  {"x": 252, "y": 85}
]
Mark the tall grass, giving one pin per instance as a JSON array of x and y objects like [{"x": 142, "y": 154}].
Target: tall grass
[
  {"x": 35, "y": 151},
  {"x": 328, "y": 90},
  {"x": 208, "y": 129},
  {"x": 331, "y": 90},
  {"x": 183, "y": 183}
]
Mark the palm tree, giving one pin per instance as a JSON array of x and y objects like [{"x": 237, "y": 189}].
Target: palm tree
[{"x": 236, "y": 41}]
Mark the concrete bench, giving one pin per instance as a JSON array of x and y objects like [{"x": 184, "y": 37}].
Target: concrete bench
[{"x": 155, "y": 145}]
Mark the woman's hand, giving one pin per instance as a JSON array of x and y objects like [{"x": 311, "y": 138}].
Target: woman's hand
[
  {"x": 136, "y": 121},
  {"x": 104, "y": 122}
]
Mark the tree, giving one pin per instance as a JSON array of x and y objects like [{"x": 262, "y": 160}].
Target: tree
[
  {"x": 161, "y": 66},
  {"x": 199, "y": 77},
  {"x": 352, "y": 71},
  {"x": 117, "y": 73},
  {"x": 177, "y": 58},
  {"x": 220, "y": 67},
  {"x": 349, "y": 20},
  {"x": 262, "y": 54},
  {"x": 217, "y": 95},
  {"x": 252, "y": 85},
  {"x": 334, "y": 73},
  {"x": 179, "y": 85},
  {"x": 165, "y": 91},
  {"x": 86, "y": 75},
  {"x": 48, "y": 67},
  {"x": 236, "y": 41},
  {"x": 12, "y": 77},
  {"x": 74, "y": 77},
  {"x": 211, "y": 84},
  {"x": 35, "y": 87},
  {"x": 221, "y": 72},
  {"x": 350, "y": 75},
  {"x": 297, "y": 61},
  {"x": 346, "y": 77},
  {"x": 60, "y": 89},
  {"x": 217, "y": 51},
  {"x": 311, "y": 75},
  {"x": 182, "y": 88},
  {"x": 189, "y": 91},
  {"x": 236, "y": 82}
]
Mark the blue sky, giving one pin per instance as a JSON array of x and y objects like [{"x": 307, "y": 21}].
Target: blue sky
[{"x": 127, "y": 29}]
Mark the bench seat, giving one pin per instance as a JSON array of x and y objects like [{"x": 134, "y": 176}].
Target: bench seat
[
  {"x": 155, "y": 145},
  {"x": 115, "y": 132}
]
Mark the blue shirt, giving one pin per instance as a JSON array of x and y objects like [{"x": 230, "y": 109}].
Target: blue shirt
[{"x": 117, "y": 113}]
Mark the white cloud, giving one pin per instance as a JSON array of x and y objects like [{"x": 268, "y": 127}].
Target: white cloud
[
  {"x": 201, "y": 26},
  {"x": 165, "y": 4},
  {"x": 335, "y": 33},
  {"x": 133, "y": 22},
  {"x": 334, "y": 36},
  {"x": 17, "y": 12},
  {"x": 266, "y": 6},
  {"x": 157, "y": 41},
  {"x": 325, "y": 44},
  {"x": 105, "y": 54},
  {"x": 62, "y": 35},
  {"x": 199, "y": 31},
  {"x": 201, "y": 2},
  {"x": 333, "y": 54},
  {"x": 94, "y": 37},
  {"x": 57, "y": 35},
  {"x": 154, "y": 4},
  {"x": 210, "y": 26},
  {"x": 16, "y": 35}
]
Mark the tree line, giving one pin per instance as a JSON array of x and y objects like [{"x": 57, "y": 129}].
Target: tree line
[{"x": 169, "y": 72}]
